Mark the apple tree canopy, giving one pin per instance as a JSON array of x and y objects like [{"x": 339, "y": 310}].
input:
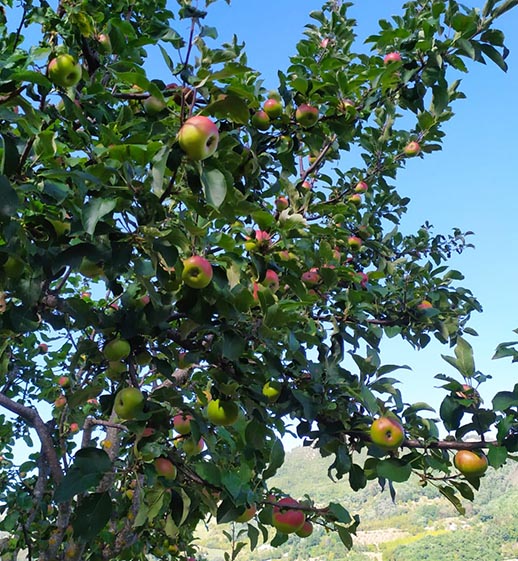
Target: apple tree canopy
[{"x": 100, "y": 209}]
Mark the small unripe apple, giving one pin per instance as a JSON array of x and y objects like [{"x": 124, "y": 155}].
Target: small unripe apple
[
  {"x": 60, "y": 402},
  {"x": 192, "y": 448},
  {"x": 64, "y": 381},
  {"x": 74, "y": 427},
  {"x": 182, "y": 423},
  {"x": 197, "y": 272},
  {"x": 471, "y": 463},
  {"x": 247, "y": 515},
  {"x": 387, "y": 433},
  {"x": 355, "y": 199},
  {"x": 412, "y": 148},
  {"x": 222, "y": 412},
  {"x": 272, "y": 390},
  {"x": 391, "y": 57},
  {"x": 105, "y": 44},
  {"x": 116, "y": 350},
  {"x": 153, "y": 105},
  {"x": 306, "y": 115},
  {"x": 285, "y": 519},
  {"x": 273, "y": 108},
  {"x": 281, "y": 203},
  {"x": 165, "y": 468},
  {"x": 64, "y": 71},
  {"x": 354, "y": 243},
  {"x": 260, "y": 120},
  {"x": 198, "y": 137}
]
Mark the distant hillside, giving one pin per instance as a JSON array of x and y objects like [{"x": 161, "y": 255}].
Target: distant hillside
[{"x": 420, "y": 525}]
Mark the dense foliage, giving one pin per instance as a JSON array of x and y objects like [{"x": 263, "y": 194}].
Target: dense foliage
[{"x": 101, "y": 209}]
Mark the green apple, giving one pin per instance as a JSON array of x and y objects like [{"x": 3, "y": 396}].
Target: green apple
[
  {"x": 64, "y": 71},
  {"x": 471, "y": 463},
  {"x": 354, "y": 243},
  {"x": 306, "y": 115},
  {"x": 387, "y": 433},
  {"x": 198, "y": 137},
  {"x": 197, "y": 272},
  {"x": 13, "y": 267},
  {"x": 190, "y": 447},
  {"x": 128, "y": 403},
  {"x": 247, "y": 514},
  {"x": 165, "y": 468},
  {"x": 222, "y": 412},
  {"x": 285, "y": 519},
  {"x": 272, "y": 390},
  {"x": 117, "y": 349},
  {"x": 273, "y": 108},
  {"x": 153, "y": 105},
  {"x": 260, "y": 120}
]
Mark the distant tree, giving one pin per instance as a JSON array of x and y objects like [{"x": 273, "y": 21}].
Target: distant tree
[{"x": 174, "y": 292}]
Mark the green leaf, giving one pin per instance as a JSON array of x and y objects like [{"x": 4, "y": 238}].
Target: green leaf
[
  {"x": 94, "y": 211},
  {"x": 8, "y": 198},
  {"x": 465, "y": 361},
  {"x": 214, "y": 187},
  {"x": 92, "y": 515},
  {"x": 497, "y": 456},
  {"x": 449, "y": 493},
  {"x": 494, "y": 55},
  {"x": 339, "y": 513},
  {"x": 504, "y": 400},
  {"x": 276, "y": 459},
  {"x": 345, "y": 536},
  {"x": 451, "y": 412},
  {"x": 394, "y": 469}
]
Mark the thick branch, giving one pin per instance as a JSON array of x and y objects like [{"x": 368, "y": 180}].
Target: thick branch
[{"x": 32, "y": 417}]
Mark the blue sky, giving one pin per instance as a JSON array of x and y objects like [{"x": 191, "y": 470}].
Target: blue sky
[{"x": 471, "y": 184}]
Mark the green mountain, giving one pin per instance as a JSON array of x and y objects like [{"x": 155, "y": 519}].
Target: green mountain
[{"x": 419, "y": 525}]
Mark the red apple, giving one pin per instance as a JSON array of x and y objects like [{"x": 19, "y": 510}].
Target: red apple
[
  {"x": 198, "y": 137},
  {"x": 197, "y": 272},
  {"x": 43, "y": 348},
  {"x": 387, "y": 433},
  {"x": 311, "y": 277},
  {"x": 306, "y": 530},
  {"x": 247, "y": 515},
  {"x": 285, "y": 519},
  {"x": 74, "y": 427},
  {"x": 64, "y": 381},
  {"x": 392, "y": 57},
  {"x": 271, "y": 280},
  {"x": 306, "y": 115}
]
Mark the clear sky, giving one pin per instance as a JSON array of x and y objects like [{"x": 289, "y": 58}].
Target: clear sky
[{"x": 471, "y": 184}]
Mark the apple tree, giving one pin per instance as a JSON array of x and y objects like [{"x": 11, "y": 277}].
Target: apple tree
[{"x": 192, "y": 267}]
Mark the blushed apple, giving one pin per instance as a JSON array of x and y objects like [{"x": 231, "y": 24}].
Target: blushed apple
[
  {"x": 471, "y": 463},
  {"x": 412, "y": 148},
  {"x": 387, "y": 433},
  {"x": 273, "y": 108},
  {"x": 271, "y": 280},
  {"x": 306, "y": 115},
  {"x": 182, "y": 423},
  {"x": 361, "y": 187},
  {"x": 392, "y": 57},
  {"x": 260, "y": 120},
  {"x": 64, "y": 71},
  {"x": 165, "y": 468},
  {"x": 197, "y": 272},
  {"x": 285, "y": 519},
  {"x": 354, "y": 242},
  {"x": 247, "y": 514},
  {"x": 306, "y": 530},
  {"x": 198, "y": 137}
]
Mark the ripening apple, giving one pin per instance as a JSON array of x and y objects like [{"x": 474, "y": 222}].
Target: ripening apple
[
  {"x": 272, "y": 390},
  {"x": 116, "y": 350},
  {"x": 74, "y": 428},
  {"x": 60, "y": 402},
  {"x": 285, "y": 519},
  {"x": 198, "y": 137},
  {"x": 306, "y": 530},
  {"x": 355, "y": 199},
  {"x": 190, "y": 447},
  {"x": 424, "y": 305},
  {"x": 273, "y": 108},
  {"x": 354, "y": 243},
  {"x": 182, "y": 423},
  {"x": 43, "y": 348},
  {"x": 281, "y": 203},
  {"x": 391, "y": 57},
  {"x": 128, "y": 403},
  {"x": 387, "y": 433},
  {"x": 64, "y": 381},
  {"x": 64, "y": 71},
  {"x": 165, "y": 468},
  {"x": 471, "y": 463},
  {"x": 311, "y": 277},
  {"x": 260, "y": 120},
  {"x": 271, "y": 280},
  {"x": 306, "y": 115},
  {"x": 247, "y": 514},
  {"x": 105, "y": 44},
  {"x": 361, "y": 187},
  {"x": 412, "y": 148},
  {"x": 222, "y": 412},
  {"x": 197, "y": 272}
]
